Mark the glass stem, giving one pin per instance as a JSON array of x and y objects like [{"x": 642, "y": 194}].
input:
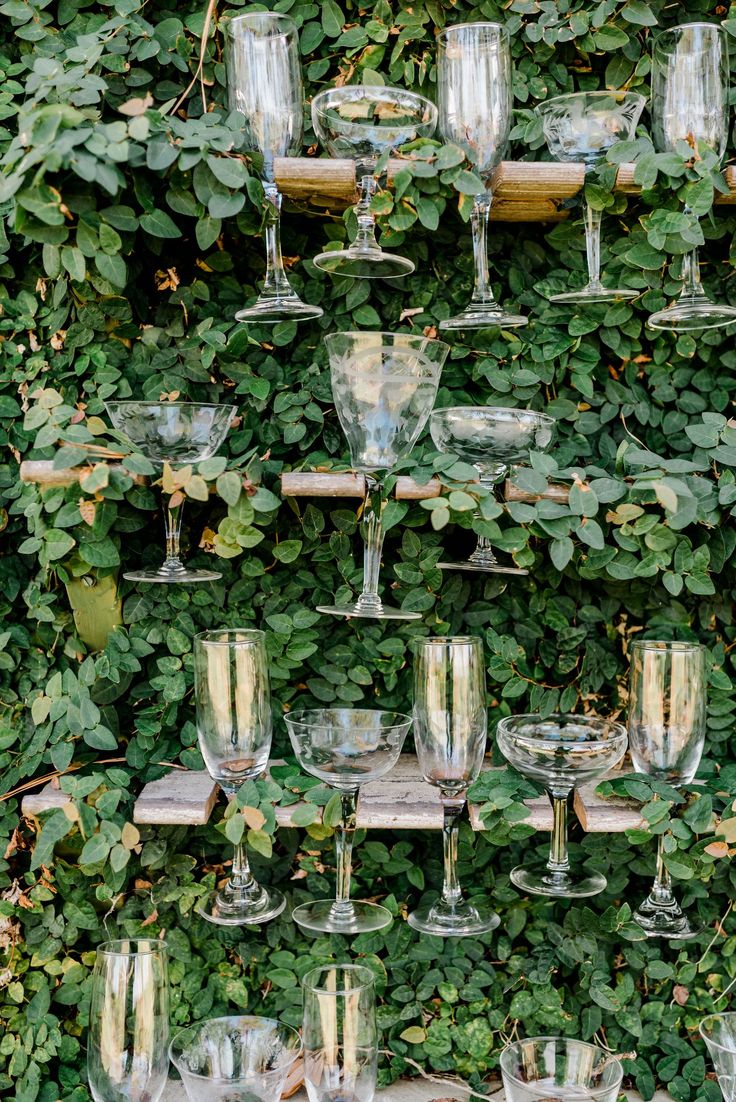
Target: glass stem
[
  {"x": 661, "y": 894},
  {"x": 173, "y": 515},
  {"x": 451, "y": 808},
  {"x": 373, "y": 538},
  {"x": 692, "y": 288},
  {"x": 482, "y": 293},
  {"x": 558, "y": 860},
  {"x": 365, "y": 239},
  {"x": 344, "y": 834},
  {"x": 276, "y": 285},
  {"x": 241, "y": 878},
  {"x": 484, "y": 554},
  {"x": 593, "y": 246}
]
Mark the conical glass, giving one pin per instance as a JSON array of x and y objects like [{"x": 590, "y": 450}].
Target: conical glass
[
  {"x": 542, "y": 1069},
  {"x": 719, "y": 1033},
  {"x": 340, "y": 1034}
]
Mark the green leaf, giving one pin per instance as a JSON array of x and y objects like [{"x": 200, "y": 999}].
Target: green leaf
[{"x": 159, "y": 224}]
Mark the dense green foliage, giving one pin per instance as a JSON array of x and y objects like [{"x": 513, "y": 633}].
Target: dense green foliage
[{"x": 129, "y": 234}]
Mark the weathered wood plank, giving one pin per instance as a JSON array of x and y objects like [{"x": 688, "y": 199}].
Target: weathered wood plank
[
  {"x": 599, "y": 815},
  {"x": 49, "y": 798},
  {"x": 182, "y": 796},
  {"x": 347, "y": 484}
]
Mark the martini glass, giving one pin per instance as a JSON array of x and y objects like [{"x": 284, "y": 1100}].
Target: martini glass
[
  {"x": 561, "y": 752},
  {"x": 491, "y": 439},
  {"x": 542, "y": 1069},
  {"x": 363, "y": 123},
  {"x": 345, "y": 748},
  {"x": 384, "y": 386},
  {"x": 178, "y": 433},
  {"x": 583, "y": 127},
  {"x": 719, "y": 1033}
]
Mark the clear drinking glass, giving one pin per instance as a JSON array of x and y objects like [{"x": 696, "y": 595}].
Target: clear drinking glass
[
  {"x": 363, "y": 123},
  {"x": 690, "y": 103},
  {"x": 545, "y": 1068},
  {"x": 583, "y": 127},
  {"x": 127, "y": 1048},
  {"x": 340, "y": 1034},
  {"x": 719, "y": 1033},
  {"x": 345, "y": 748},
  {"x": 178, "y": 433},
  {"x": 667, "y": 699},
  {"x": 384, "y": 386},
  {"x": 561, "y": 752},
  {"x": 233, "y": 697},
  {"x": 450, "y": 736},
  {"x": 264, "y": 82},
  {"x": 475, "y": 97},
  {"x": 492, "y": 439}
]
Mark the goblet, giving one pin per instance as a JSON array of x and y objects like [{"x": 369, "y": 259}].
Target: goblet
[
  {"x": 238, "y": 1058},
  {"x": 127, "y": 1054},
  {"x": 583, "y": 127},
  {"x": 719, "y": 1033},
  {"x": 233, "y": 697},
  {"x": 474, "y": 96},
  {"x": 667, "y": 696},
  {"x": 384, "y": 386},
  {"x": 364, "y": 123},
  {"x": 264, "y": 82},
  {"x": 561, "y": 752},
  {"x": 557, "y": 1067},
  {"x": 492, "y": 440},
  {"x": 340, "y": 1034},
  {"x": 450, "y": 736},
  {"x": 690, "y": 103}
]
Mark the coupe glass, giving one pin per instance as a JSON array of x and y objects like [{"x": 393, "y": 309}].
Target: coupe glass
[
  {"x": 583, "y": 127},
  {"x": 178, "y": 433},
  {"x": 667, "y": 696},
  {"x": 561, "y": 752},
  {"x": 345, "y": 748},
  {"x": 233, "y": 697},
  {"x": 547, "y": 1068},
  {"x": 474, "y": 94},
  {"x": 384, "y": 386},
  {"x": 239, "y": 1059},
  {"x": 340, "y": 1034},
  {"x": 719, "y": 1033},
  {"x": 690, "y": 103},
  {"x": 127, "y": 1058},
  {"x": 264, "y": 81},
  {"x": 450, "y": 737},
  {"x": 363, "y": 124},
  {"x": 492, "y": 440}
]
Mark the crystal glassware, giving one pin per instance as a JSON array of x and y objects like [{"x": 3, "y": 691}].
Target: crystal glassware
[
  {"x": 474, "y": 97},
  {"x": 491, "y": 439},
  {"x": 719, "y": 1033},
  {"x": 363, "y": 123},
  {"x": 345, "y": 748},
  {"x": 178, "y": 433},
  {"x": 340, "y": 1034},
  {"x": 667, "y": 698},
  {"x": 561, "y": 752},
  {"x": 450, "y": 736},
  {"x": 127, "y": 1048},
  {"x": 583, "y": 127},
  {"x": 233, "y": 698},
  {"x": 237, "y": 1058},
  {"x": 541, "y": 1069},
  {"x": 384, "y": 386},
  {"x": 264, "y": 84},
  {"x": 690, "y": 103}
]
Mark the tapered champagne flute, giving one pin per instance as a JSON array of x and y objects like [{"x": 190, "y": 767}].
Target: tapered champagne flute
[
  {"x": 719, "y": 1033},
  {"x": 340, "y": 1034}
]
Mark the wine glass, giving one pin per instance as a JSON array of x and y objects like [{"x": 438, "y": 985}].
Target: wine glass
[
  {"x": 127, "y": 1055},
  {"x": 233, "y": 697},
  {"x": 264, "y": 83},
  {"x": 667, "y": 697},
  {"x": 561, "y": 752},
  {"x": 384, "y": 386},
  {"x": 340, "y": 1034},
  {"x": 475, "y": 96},
  {"x": 548, "y": 1068},
  {"x": 719, "y": 1033},
  {"x": 345, "y": 748},
  {"x": 363, "y": 123},
  {"x": 492, "y": 440},
  {"x": 177, "y": 433},
  {"x": 224, "y": 1059},
  {"x": 583, "y": 127},
  {"x": 690, "y": 103},
  {"x": 450, "y": 737}
]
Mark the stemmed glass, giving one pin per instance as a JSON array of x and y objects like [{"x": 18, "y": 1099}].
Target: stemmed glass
[
  {"x": 561, "y": 752},
  {"x": 474, "y": 95},
  {"x": 583, "y": 127},
  {"x": 548, "y": 1068},
  {"x": 127, "y": 1055},
  {"x": 363, "y": 123},
  {"x": 178, "y": 433},
  {"x": 667, "y": 697},
  {"x": 450, "y": 737},
  {"x": 384, "y": 386},
  {"x": 264, "y": 83},
  {"x": 233, "y": 697},
  {"x": 345, "y": 748},
  {"x": 690, "y": 104},
  {"x": 492, "y": 440},
  {"x": 340, "y": 1034},
  {"x": 719, "y": 1033}
]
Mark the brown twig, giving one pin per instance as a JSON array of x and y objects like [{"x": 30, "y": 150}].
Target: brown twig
[{"x": 198, "y": 71}]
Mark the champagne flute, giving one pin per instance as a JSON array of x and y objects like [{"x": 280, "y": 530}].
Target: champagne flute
[
  {"x": 340, "y": 1034},
  {"x": 719, "y": 1033}
]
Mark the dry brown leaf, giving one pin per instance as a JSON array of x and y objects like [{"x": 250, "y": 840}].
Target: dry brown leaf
[{"x": 88, "y": 509}]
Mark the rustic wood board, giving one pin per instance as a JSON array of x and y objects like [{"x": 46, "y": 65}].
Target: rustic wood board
[
  {"x": 613, "y": 815},
  {"x": 182, "y": 796}
]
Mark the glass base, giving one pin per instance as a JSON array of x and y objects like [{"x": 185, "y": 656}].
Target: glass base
[
  {"x": 363, "y": 263},
  {"x": 379, "y": 612},
  {"x": 279, "y": 308},
  {"x": 325, "y": 916},
  {"x": 468, "y": 918},
  {"x": 660, "y": 920},
  {"x": 185, "y": 576},
  {"x": 484, "y": 317},
  {"x": 591, "y": 293},
  {"x": 561, "y": 885},
  {"x": 691, "y": 314},
  {"x": 229, "y": 909},
  {"x": 482, "y": 568}
]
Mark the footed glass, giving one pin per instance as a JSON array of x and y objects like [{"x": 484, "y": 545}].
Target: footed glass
[
  {"x": 542, "y": 1069},
  {"x": 719, "y": 1033},
  {"x": 340, "y": 1034}
]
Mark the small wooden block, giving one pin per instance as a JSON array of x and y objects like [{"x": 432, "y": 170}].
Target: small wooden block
[
  {"x": 181, "y": 797},
  {"x": 47, "y": 799},
  {"x": 400, "y": 804},
  {"x": 612, "y": 815}
]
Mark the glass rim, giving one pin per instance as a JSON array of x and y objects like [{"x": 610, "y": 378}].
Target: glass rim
[
  {"x": 376, "y": 90},
  {"x": 619, "y": 734},
  {"x": 252, "y": 16},
  {"x": 530, "y": 414},
  {"x": 384, "y": 333},
  {"x": 487, "y": 24},
  {"x": 598, "y": 93},
  {"x": 112, "y": 948},
  {"x": 731, "y": 1014},
  {"x": 402, "y": 718},
  {"x": 160, "y": 404},
  {"x": 447, "y": 640},
  {"x": 293, "y": 1053},
  {"x": 368, "y": 980},
  {"x": 208, "y": 637},
  {"x": 514, "y": 1046},
  {"x": 664, "y": 645}
]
